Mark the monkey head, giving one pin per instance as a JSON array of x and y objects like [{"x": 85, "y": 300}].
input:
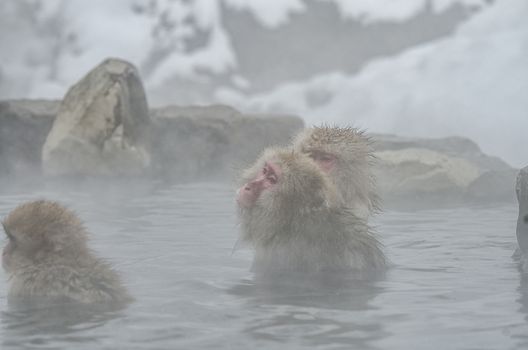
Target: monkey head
[
  {"x": 346, "y": 155},
  {"x": 282, "y": 188},
  {"x": 334, "y": 147},
  {"x": 41, "y": 230}
]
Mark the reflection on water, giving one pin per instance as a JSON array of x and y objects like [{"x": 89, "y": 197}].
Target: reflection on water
[
  {"x": 311, "y": 312},
  {"x": 453, "y": 283},
  {"x": 38, "y": 323},
  {"x": 523, "y": 301}
]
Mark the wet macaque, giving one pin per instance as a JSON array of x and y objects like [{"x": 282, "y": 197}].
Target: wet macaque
[
  {"x": 47, "y": 256},
  {"x": 291, "y": 214},
  {"x": 345, "y": 154}
]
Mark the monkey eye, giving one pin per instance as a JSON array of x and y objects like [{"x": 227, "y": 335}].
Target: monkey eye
[
  {"x": 322, "y": 157},
  {"x": 272, "y": 179}
]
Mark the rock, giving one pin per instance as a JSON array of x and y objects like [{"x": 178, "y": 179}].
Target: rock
[
  {"x": 102, "y": 125},
  {"x": 24, "y": 125},
  {"x": 493, "y": 185},
  {"x": 416, "y": 173},
  {"x": 456, "y": 146},
  {"x": 452, "y": 170},
  {"x": 521, "y": 190},
  {"x": 211, "y": 142}
]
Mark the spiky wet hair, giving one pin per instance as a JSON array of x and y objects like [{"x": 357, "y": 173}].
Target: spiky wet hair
[
  {"x": 346, "y": 143},
  {"x": 354, "y": 154}
]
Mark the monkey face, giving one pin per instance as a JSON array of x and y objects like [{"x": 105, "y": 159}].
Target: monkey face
[
  {"x": 265, "y": 179},
  {"x": 284, "y": 182}
]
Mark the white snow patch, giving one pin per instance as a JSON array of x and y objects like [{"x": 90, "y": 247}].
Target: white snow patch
[
  {"x": 473, "y": 84},
  {"x": 270, "y": 13}
]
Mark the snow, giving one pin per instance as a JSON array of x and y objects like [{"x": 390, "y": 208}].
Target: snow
[
  {"x": 473, "y": 84},
  {"x": 217, "y": 57},
  {"x": 269, "y": 13},
  {"x": 394, "y": 10}
]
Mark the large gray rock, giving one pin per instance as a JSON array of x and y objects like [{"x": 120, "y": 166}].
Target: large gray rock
[
  {"x": 187, "y": 143},
  {"x": 102, "y": 124},
  {"x": 213, "y": 142},
  {"x": 24, "y": 125},
  {"x": 521, "y": 189},
  {"x": 433, "y": 172},
  {"x": 455, "y": 146}
]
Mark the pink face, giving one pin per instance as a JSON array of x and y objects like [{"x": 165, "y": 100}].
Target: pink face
[
  {"x": 265, "y": 179},
  {"x": 326, "y": 161}
]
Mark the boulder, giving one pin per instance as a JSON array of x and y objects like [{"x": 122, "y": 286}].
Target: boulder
[
  {"x": 200, "y": 143},
  {"x": 455, "y": 146},
  {"x": 444, "y": 171},
  {"x": 102, "y": 125},
  {"x": 24, "y": 125},
  {"x": 492, "y": 185}
]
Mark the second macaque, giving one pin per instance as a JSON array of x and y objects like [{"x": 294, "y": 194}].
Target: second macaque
[
  {"x": 292, "y": 215},
  {"x": 47, "y": 256},
  {"x": 346, "y": 155}
]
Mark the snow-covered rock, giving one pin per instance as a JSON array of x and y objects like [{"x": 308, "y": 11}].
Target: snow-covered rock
[
  {"x": 472, "y": 84},
  {"x": 414, "y": 171},
  {"x": 101, "y": 126}
]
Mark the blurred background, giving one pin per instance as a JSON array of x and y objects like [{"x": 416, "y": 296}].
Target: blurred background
[{"x": 427, "y": 68}]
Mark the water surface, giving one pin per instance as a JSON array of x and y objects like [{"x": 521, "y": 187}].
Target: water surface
[{"x": 453, "y": 284}]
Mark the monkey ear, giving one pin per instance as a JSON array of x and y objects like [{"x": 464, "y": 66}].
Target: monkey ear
[
  {"x": 8, "y": 234},
  {"x": 5, "y": 229}
]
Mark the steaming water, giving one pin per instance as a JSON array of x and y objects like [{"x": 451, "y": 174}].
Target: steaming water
[{"x": 453, "y": 284}]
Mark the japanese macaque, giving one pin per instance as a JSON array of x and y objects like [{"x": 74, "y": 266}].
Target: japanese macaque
[
  {"x": 346, "y": 155},
  {"x": 291, "y": 213},
  {"x": 47, "y": 256}
]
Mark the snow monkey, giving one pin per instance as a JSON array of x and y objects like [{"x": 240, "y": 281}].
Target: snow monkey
[
  {"x": 290, "y": 212},
  {"x": 346, "y": 155},
  {"x": 47, "y": 256}
]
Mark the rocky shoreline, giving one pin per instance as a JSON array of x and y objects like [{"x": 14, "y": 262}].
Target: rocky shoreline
[{"x": 104, "y": 128}]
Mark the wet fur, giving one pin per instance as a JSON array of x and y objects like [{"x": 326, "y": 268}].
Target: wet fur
[
  {"x": 353, "y": 175},
  {"x": 50, "y": 257}
]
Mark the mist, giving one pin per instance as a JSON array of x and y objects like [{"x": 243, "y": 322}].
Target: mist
[{"x": 144, "y": 117}]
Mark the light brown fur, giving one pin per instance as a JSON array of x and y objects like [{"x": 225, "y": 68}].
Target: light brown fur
[
  {"x": 301, "y": 226},
  {"x": 47, "y": 256},
  {"x": 352, "y": 174}
]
